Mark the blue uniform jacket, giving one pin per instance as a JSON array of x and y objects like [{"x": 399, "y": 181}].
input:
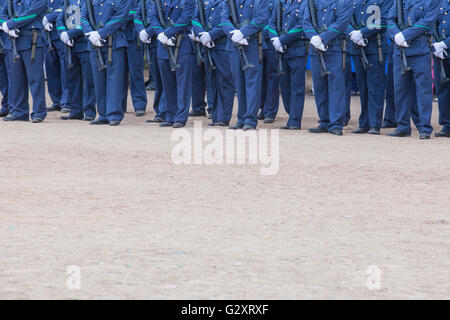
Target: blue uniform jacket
[
  {"x": 180, "y": 12},
  {"x": 364, "y": 13},
  {"x": 54, "y": 8},
  {"x": 291, "y": 34},
  {"x": 111, "y": 17},
  {"x": 253, "y": 16},
  {"x": 333, "y": 18},
  {"x": 443, "y": 23},
  {"x": 140, "y": 24},
  {"x": 213, "y": 14},
  {"x": 29, "y": 17},
  {"x": 74, "y": 29},
  {"x": 420, "y": 18}
]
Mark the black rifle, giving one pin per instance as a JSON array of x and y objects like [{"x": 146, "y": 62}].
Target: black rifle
[
  {"x": 443, "y": 74},
  {"x": 313, "y": 13},
  {"x": 50, "y": 47},
  {"x": 234, "y": 19},
  {"x": 173, "y": 56},
  {"x": 401, "y": 24},
  {"x": 68, "y": 48},
  {"x": 279, "y": 18},
  {"x": 365, "y": 62},
  {"x": 2, "y": 46},
  {"x": 202, "y": 18},
  {"x": 12, "y": 15},
  {"x": 146, "y": 24},
  {"x": 98, "y": 51}
]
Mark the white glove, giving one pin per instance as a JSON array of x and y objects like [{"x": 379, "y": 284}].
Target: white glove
[
  {"x": 362, "y": 43},
  {"x": 210, "y": 44},
  {"x": 70, "y": 43},
  {"x": 205, "y": 38},
  {"x": 441, "y": 54},
  {"x": 243, "y": 42},
  {"x": 64, "y": 37},
  {"x": 14, "y": 33},
  {"x": 44, "y": 21},
  {"x": 171, "y": 42},
  {"x": 162, "y": 38},
  {"x": 316, "y": 41},
  {"x": 439, "y": 47},
  {"x": 192, "y": 36},
  {"x": 276, "y": 43},
  {"x": 356, "y": 36},
  {"x": 95, "y": 39},
  {"x": 5, "y": 27},
  {"x": 48, "y": 27},
  {"x": 144, "y": 37},
  {"x": 400, "y": 40},
  {"x": 237, "y": 36}
]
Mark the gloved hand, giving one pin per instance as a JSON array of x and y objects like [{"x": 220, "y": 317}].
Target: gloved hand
[
  {"x": 362, "y": 43},
  {"x": 70, "y": 43},
  {"x": 193, "y": 37},
  {"x": 48, "y": 27},
  {"x": 14, "y": 33},
  {"x": 162, "y": 38},
  {"x": 5, "y": 27},
  {"x": 356, "y": 36},
  {"x": 210, "y": 44},
  {"x": 237, "y": 36},
  {"x": 144, "y": 37},
  {"x": 243, "y": 42},
  {"x": 277, "y": 44},
  {"x": 439, "y": 47},
  {"x": 400, "y": 40},
  {"x": 317, "y": 42},
  {"x": 171, "y": 42},
  {"x": 95, "y": 39},
  {"x": 205, "y": 38},
  {"x": 441, "y": 54},
  {"x": 64, "y": 37}
]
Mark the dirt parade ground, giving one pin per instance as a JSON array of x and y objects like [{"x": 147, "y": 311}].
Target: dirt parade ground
[{"x": 99, "y": 212}]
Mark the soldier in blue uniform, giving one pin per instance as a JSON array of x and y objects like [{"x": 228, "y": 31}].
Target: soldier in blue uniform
[
  {"x": 171, "y": 21},
  {"x": 219, "y": 81},
  {"x": 147, "y": 36},
  {"x": 107, "y": 47},
  {"x": 23, "y": 23},
  {"x": 134, "y": 64},
  {"x": 442, "y": 67},
  {"x": 412, "y": 63},
  {"x": 327, "y": 35},
  {"x": 290, "y": 42},
  {"x": 79, "y": 74},
  {"x": 367, "y": 34},
  {"x": 270, "y": 89},
  {"x": 54, "y": 59},
  {"x": 243, "y": 21},
  {"x": 4, "y": 73}
]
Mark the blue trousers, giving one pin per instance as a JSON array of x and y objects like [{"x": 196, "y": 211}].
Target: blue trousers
[
  {"x": 270, "y": 85},
  {"x": 443, "y": 93},
  {"x": 221, "y": 86},
  {"x": 420, "y": 79},
  {"x": 81, "y": 86},
  {"x": 372, "y": 84},
  {"x": 198, "y": 87},
  {"x": 159, "y": 102},
  {"x": 55, "y": 69},
  {"x": 330, "y": 91},
  {"x": 389, "y": 111},
  {"x": 109, "y": 85},
  {"x": 4, "y": 81},
  {"x": 248, "y": 86},
  {"x": 292, "y": 84},
  {"x": 134, "y": 64},
  {"x": 177, "y": 86},
  {"x": 28, "y": 75},
  {"x": 348, "y": 88}
]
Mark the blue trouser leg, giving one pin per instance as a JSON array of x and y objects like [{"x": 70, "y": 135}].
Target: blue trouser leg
[
  {"x": 389, "y": 111},
  {"x": 348, "y": 87},
  {"x": 125, "y": 83},
  {"x": 177, "y": 87},
  {"x": 28, "y": 75},
  {"x": 420, "y": 78},
  {"x": 88, "y": 85},
  {"x": 74, "y": 79},
  {"x": 211, "y": 87},
  {"x": 330, "y": 91},
  {"x": 443, "y": 94},
  {"x": 270, "y": 85},
  {"x": 361, "y": 75},
  {"x": 198, "y": 88},
  {"x": 225, "y": 87},
  {"x": 53, "y": 72},
  {"x": 137, "y": 82},
  {"x": 248, "y": 87},
  {"x": 294, "y": 81},
  {"x": 376, "y": 82},
  {"x": 159, "y": 102},
  {"x": 4, "y": 83}
]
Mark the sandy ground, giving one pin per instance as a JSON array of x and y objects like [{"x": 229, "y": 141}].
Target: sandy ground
[{"x": 111, "y": 201}]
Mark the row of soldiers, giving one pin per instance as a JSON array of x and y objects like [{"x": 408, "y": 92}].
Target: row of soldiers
[{"x": 95, "y": 49}]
